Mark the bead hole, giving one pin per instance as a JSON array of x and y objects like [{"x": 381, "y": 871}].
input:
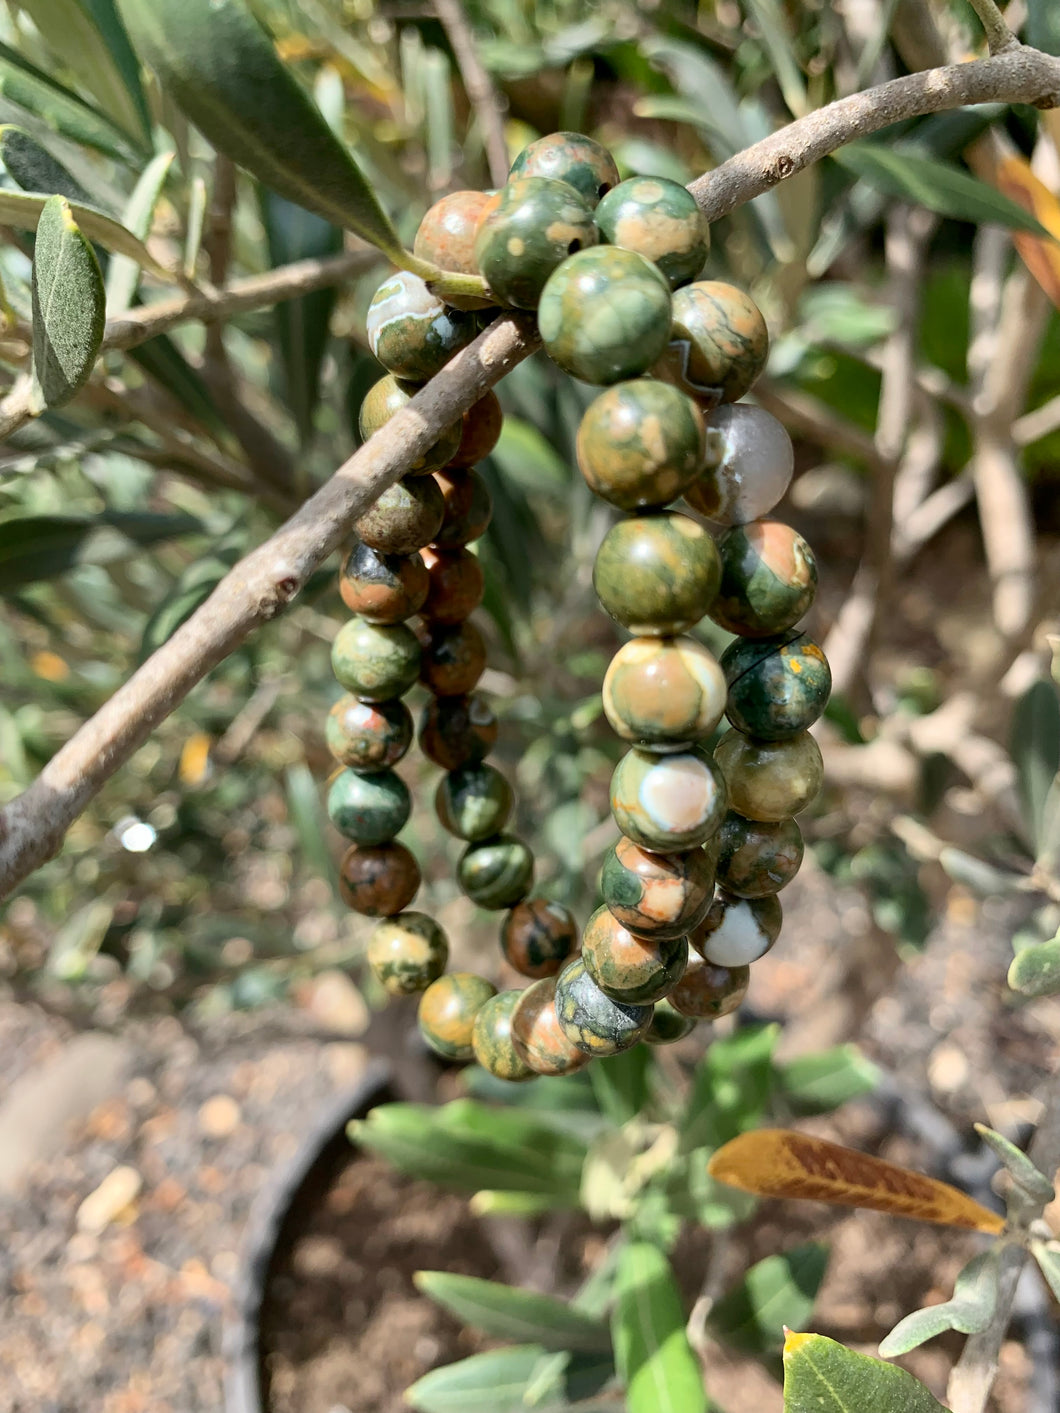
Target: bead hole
[{"x": 574, "y": 245}]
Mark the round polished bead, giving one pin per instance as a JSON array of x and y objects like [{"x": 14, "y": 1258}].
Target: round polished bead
[
  {"x": 411, "y": 331},
  {"x": 630, "y": 968},
  {"x": 747, "y": 467},
  {"x": 381, "y": 402},
  {"x": 467, "y": 507},
  {"x": 379, "y": 880},
  {"x": 384, "y": 588},
  {"x": 657, "y": 895},
  {"x": 473, "y": 802},
  {"x": 770, "y": 780},
  {"x": 446, "y": 237},
  {"x": 569, "y": 157},
  {"x": 529, "y": 227},
  {"x": 640, "y": 444},
  {"x": 537, "y": 937},
  {"x": 768, "y": 579},
  {"x": 407, "y": 516},
  {"x": 668, "y": 1025},
  {"x": 369, "y": 809},
  {"x": 604, "y": 315},
  {"x": 375, "y": 661},
  {"x": 660, "y": 220},
  {"x": 456, "y": 585},
  {"x": 663, "y": 692},
  {"x": 718, "y": 343},
  {"x": 755, "y": 858},
  {"x": 592, "y": 1021},
  {"x": 537, "y": 1033},
  {"x": 668, "y": 803},
  {"x": 777, "y": 686},
  {"x": 480, "y": 431},
  {"x": 407, "y": 953},
  {"x": 453, "y": 660},
  {"x": 737, "y": 931},
  {"x": 447, "y": 1013},
  {"x": 708, "y": 992},
  {"x": 496, "y": 873},
  {"x": 456, "y": 731},
  {"x": 368, "y": 736},
  {"x": 491, "y": 1038},
  {"x": 657, "y": 575}
]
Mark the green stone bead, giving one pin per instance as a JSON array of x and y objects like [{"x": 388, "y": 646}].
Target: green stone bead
[
  {"x": 491, "y": 1038},
  {"x": 473, "y": 802},
  {"x": 718, "y": 343},
  {"x": 668, "y": 1025},
  {"x": 657, "y": 895},
  {"x": 446, "y": 237},
  {"x": 447, "y": 1013},
  {"x": 768, "y": 579},
  {"x": 592, "y": 1021},
  {"x": 407, "y": 953},
  {"x": 467, "y": 507},
  {"x": 708, "y": 992},
  {"x": 569, "y": 157},
  {"x": 390, "y": 395},
  {"x": 640, "y": 444},
  {"x": 384, "y": 588},
  {"x": 411, "y": 331},
  {"x": 368, "y": 736},
  {"x": 755, "y": 858},
  {"x": 538, "y": 937},
  {"x": 375, "y": 661},
  {"x": 604, "y": 315},
  {"x": 770, "y": 780},
  {"x": 657, "y": 575},
  {"x": 660, "y": 220},
  {"x": 668, "y": 803},
  {"x": 496, "y": 873},
  {"x": 379, "y": 880},
  {"x": 737, "y": 931},
  {"x": 777, "y": 686},
  {"x": 369, "y": 809},
  {"x": 663, "y": 692},
  {"x": 530, "y": 226},
  {"x": 453, "y": 660},
  {"x": 628, "y": 968},
  {"x": 407, "y": 516},
  {"x": 539, "y": 1038},
  {"x": 456, "y": 731}
]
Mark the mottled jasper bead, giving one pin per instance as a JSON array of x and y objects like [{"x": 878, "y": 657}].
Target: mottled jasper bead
[
  {"x": 640, "y": 444},
  {"x": 737, "y": 931},
  {"x": 770, "y": 780},
  {"x": 368, "y": 736},
  {"x": 747, "y": 467},
  {"x": 467, "y": 508},
  {"x": 446, "y": 238},
  {"x": 718, "y": 343},
  {"x": 407, "y": 516},
  {"x": 375, "y": 661},
  {"x": 708, "y": 992},
  {"x": 657, "y": 895},
  {"x": 755, "y": 858},
  {"x": 592, "y": 1021},
  {"x": 496, "y": 873},
  {"x": 529, "y": 227},
  {"x": 777, "y": 686},
  {"x": 537, "y": 1033},
  {"x": 447, "y": 1013},
  {"x": 663, "y": 692},
  {"x": 456, "y": 585},
  {"x": 569, "y": 157},
  {"x": 480, "y": 431},
  {"x": 668, "y": 1025},
  {"x": 390, "y": 395},
  {"x": 768, "y": 579},
  {"x": 411, "y": 331},
  {"x": 369, "y": 809},
  {"x": 537, "y": 937},
  {"x": 604, "y": 315},
  {"x": 384, "y": 588},
  {"x": 453, "y": 660},
  {"x": 473, "y": 802},
  {"x": 630, "y": 968},
  {"x": 657, "y": 575},
  {"x": 491, "y": 1038},
  {"x": 668, "y": 803},
  {"x": 660, "y": 220},
  {"x": 380, "y": 880},
  {"x": 407, "y": 953},
  {"x": 456, "y": 731}
]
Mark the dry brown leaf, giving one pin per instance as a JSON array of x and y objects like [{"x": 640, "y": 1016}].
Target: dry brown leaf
[{"x": 1042, "y": 257}]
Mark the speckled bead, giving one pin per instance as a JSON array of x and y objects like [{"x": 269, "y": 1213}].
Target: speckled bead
[
  {"x": 592, "y": 1021},
  {"x": 456, "y": 731},
  {"x": 668, "y": 1025},
  {"x": 411, "y": 331},
  {"x": 407, "y": 516},
  {"x": 368, "y": 736},
  {"x": 390, "y": 395},
  {"x": 768, "y": 579},
  {"x": 628, "y": 968},
  {"x": 718, "y": 343},
  {"x": 747, "y": 466},
  {"x": 660, "y": 220},
  {"x": 604, "y": 315},
  {"x": 737, "y": 931},
  {"x": 383, "y": 588},
  {"x": 755, "y": 859},
  {"x": 529, "y": 227},
  {"x": 407, "y": 953},
  {"x": 538, "y": 937},
  {"x": 657, "y": 895},
  {"x": 380, "y": 880},
  {"x": 473, "y": 802},
  {"x": 453, "y": 660},
  {"x": 447, "y": 1013},
  {"x": 369, "y": 809},
  {"x": 640, "y": 444},
  {"x": 657, "y": 575},
  {"x": 777, "y": 686},
  {"x": 663, "y": 692},
  {"x": 456, "y": 585},
  {"x": 467, "y": 508},
  {"x": 491, "y": 1038},
  {"x": 708, "y": 992},
  {"x": 770, "y": 780},
  {"x": 446, "y": 237},
  {"x": 668, "y": 803},
  {"x": 480, "y": 431},
  {"x": 539, "y": 1038},
  {"x": 496, "y": 873},
  {"x": 375, "y": 661},
  {"x": 569, "y": 157}
]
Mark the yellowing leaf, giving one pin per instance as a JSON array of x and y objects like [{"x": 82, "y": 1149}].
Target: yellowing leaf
[
  {"x": 195, "y": 758},
  {"x": 1041, "y": 257},
  {"x": 783, "y": 1163},
  {"x": 50, "y": 666}
]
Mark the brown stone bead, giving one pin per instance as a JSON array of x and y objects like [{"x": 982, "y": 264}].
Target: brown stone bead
[
  {"x": 538, "y": 937},
  {"x": 446, "y": 237},
  {"x": 468, "y": 507},
  {"x": 706, "y": 992},
  {"x": 481, "y": 430},
  {"x": 538, "y": 1036},
  {"x": 456, "y": 731},
  {"x": 453, "y": 660},
  {"x": 383, "y": 588},
  {"x": 455, "y": 585},
  {"x": 380, "y": 880},
  {"x": 407, "y": 516}
]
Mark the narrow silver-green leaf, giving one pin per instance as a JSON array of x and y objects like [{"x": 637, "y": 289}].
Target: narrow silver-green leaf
[
  {"x": 123, "y": 273},
  {"x": 969, "y": 1311},
  {"x": 1035, "y": 970},
  {"x": 498, "y": 1382},
  {"x": 821, "y": 1376},
  {"x": 33, "y": 168},
  {"x": 778, "y": 42},
  {"x": 509, "y": 1313},
  {"x": 1019, "y": 1167},
  {"x": 1048, "y": 1257},
  {"x": 776, "y": 1292},
  {"x": 23, "y": 211},
  {"x": 58, "y": 108},
  {"x": 37, "y": 547},
  {"x": 652, "y": 1352},
  {"x": 307, "y": 815},
  {"x": 69, "y": 305},
  {"x": 1035, "y": 748}
]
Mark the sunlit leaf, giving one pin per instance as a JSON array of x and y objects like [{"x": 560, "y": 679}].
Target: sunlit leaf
[
  {"x": 821, "y": 1376},
  {"x": 969, "y": 1311},
  {"x": 123, "y": 273},
  {"x": 1018, "y": 1166},
  {"x": 22, "y": 211},
  {"x": 819, "y": 1083},
  {"x": 778, "y": 42},
  {"x": 499, "y": 1381},
  {"x": 775, "y": 1293},
  {"x": 652, "y": 1352},
  {"x": 33, "y": 168},
  {"x": 58, "y": 108},
  {"x": 1048, "y": 1258},
  {"x": 507, "y": 1312},
  {"x": 730, "y": 1087},
  {"x": 1041, "y": 257},
  {"x": 36, "y": 547},
  {"x": 1035, "y": 970},
  {"x": 69, "y": 305}
]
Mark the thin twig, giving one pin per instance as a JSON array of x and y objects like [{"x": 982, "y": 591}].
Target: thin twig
[
  {"x": 481, "y": 91},
  {"x": 999, "y": 37}
]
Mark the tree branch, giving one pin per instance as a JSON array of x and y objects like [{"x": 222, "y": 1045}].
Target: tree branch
[
  {"x": 999, "y": 37},
  {"x": 481, "y": 91}
]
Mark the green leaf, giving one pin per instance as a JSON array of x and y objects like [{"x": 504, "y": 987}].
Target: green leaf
[
  {"x": 817, "y": 1084},
  {"x": 1042, "y": 29},
  {"x": 21, "y": 210},
  {"x": 58, "y": 108},
  {"x": 307, "y": 815},
  {"x": 821, "y": 1376},
  {"x": 36, "y": 547},
  {"x": 33, "y": 168},
  {"x": 620, "y": 1083},
  {"x": 220, "y": 66},
  {"x": 1048, "y": 1258},
  {"x": 730, "y": 1088},
  {"x": 1022, "y": 1171},
  {"x": 777, "y": 40},
  {"x": 969, "y": 1311},
  {"x": 162, "y": 360},
  {"x": 69, "y": 305},
  {"x": 123, "y": 272},
  {"x": 654, "y": 1357},
  {"x": 978, "y": 875},
  {"x": 1035, "y": 970},
  {"x": 1035, "y": 748},
  {"x": 497, "y": 1382},
  {"x": 775, "y": 1293},
  {"x": 509, "y": 1313}
]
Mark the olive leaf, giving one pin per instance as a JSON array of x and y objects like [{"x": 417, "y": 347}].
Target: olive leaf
[
  {"x": 22, "y": 210},
  {"x": 1024, "y": 1174},
  {"x": 1035, "y": 970},
  {"x": 969, "y": 1311},
  {"x": 33, "y": 168},
  {"x": 69, "y": 305},
  {"x": 123, "y": 272},
  {"x": 652, "y": 1352},
  {"x": 821, "y": 1376},
  {"x": 58, "y": 108}
]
